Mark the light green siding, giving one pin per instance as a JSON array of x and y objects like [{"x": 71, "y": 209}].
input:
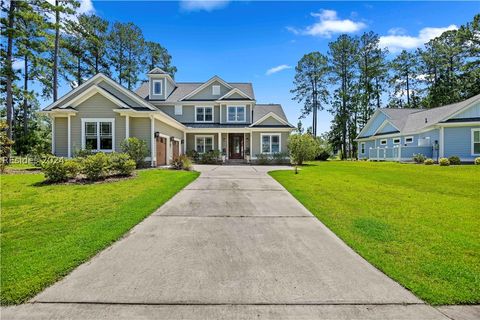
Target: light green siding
[
  {"x": 206, "y": 93},
  {"x": 165, "y": 129},
  {"x": 191, "y": 140},
  {"x": 256, "y": 146},
  {"x": 140, "y": 128},
  {"x": 61, "y": 137},
  {"x": 270, "y": 121}
]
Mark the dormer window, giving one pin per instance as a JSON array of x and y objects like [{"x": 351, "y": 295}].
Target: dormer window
[
  {"x": 157, "y": 87},
  {"x": 216, "y": 90}
]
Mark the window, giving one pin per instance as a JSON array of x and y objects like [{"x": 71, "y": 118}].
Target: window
[
  {"x": 157, "y": 87},
  {"x": 236, "y": 114},
  {"x": 178, "y": 110},
  {"x": 203, "y": 143},
  {"x": 204, "y": 114},
  {"x": 216, "y": 90},
  {"x": 396, "y": 140},
  {"x": 270, "y": 143},
  {"x": 98, "y": 134},
  {"x": 408, "y": 139},
  {"x": 362, "y": 148},
  {"x": 383, "y": 142},
  {"x": 475, "y": 142}
]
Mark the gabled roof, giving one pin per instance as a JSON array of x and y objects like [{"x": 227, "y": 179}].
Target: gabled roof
[
  {"x": 261, "y": 112},
  {"x": 233, "y": 91},
  {"x": 205, "y": 85},
  {"x": 157, "y": 70}
]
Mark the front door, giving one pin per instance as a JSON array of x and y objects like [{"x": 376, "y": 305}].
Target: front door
[{"x": 235, "y": 146}]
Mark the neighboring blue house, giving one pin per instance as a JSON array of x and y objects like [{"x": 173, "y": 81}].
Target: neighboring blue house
[{"x": 398, "y": 134}]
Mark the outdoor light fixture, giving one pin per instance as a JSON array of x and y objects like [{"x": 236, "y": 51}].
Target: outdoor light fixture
[
  {"x": 156, "y": 134},
  {"x": 172, "y": 139}
]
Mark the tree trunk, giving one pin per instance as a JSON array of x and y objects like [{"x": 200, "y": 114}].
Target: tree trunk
[
  {"x": 96, "y": 62},
  {"x": 25, "y": 100},
  {"x": 9, "y": 73},
  {"x": 55, "y": 51},
  {"x": 408, "y": 92},
  {"x": 79, "y": 71}
]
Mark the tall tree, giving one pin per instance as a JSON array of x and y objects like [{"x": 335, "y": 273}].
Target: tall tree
[
  {"x": 343, "y": 56},
  {"x": 310, "y": 85},
  {"x": 373, "y": 71},
  {"x": 74, "y": 68},
  {"x": 95, "y": 29},
  {"x": 405, "y": 81},
  {"x": 158, "y": 56}
]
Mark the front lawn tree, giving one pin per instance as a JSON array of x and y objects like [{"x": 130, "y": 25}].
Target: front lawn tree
[
  {"x": 303, "y": 147},
  {"x": 310, "y": 85}
]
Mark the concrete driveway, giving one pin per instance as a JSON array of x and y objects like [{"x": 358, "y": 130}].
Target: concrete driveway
[{"x": 234, "y": 244}]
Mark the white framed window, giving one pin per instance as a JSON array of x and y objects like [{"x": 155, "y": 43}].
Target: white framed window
[
  {"x": 203, "y": 143},
  {"x": 383, "y": 142},
  {"x": 236, "y": 114},
  {"x": 396, "y": 140},
  {"x": 157, "y": 87},
  {"x": 98, "y": 134},
  {"x": 362, "y": 147},
  {"x": 270, "y": 142},
  {"x": 203, "y": 114},
  {"x": 178, "y": 110},
  {"x": 475, "y": 142},
  {"x": 409, "y": 139},
  {"x": 216, "y": 90}
]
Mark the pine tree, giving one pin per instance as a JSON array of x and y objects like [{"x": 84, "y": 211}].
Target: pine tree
[
  {"x": 310, "y": 85},
  {"x": 158, "y": 56},
  {"x": 405, "y": 81},
  {"x": 95, "y": 29}
]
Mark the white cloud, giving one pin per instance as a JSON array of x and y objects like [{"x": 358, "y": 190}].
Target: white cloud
[
  {"x": 397, "y": 40},
  {"x": 277, "y": 69},
  {"x": 329, "y": 23},
  {"x": 205, "y": 5},
  {"x": 86, "y": 6}
]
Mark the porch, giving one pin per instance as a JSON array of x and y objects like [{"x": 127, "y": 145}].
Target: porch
[
  {"x": 399, "y": 153},
  {"x": 234, "y": 145}
]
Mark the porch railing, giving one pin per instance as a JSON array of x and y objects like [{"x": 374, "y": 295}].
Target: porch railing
[{"x": 398, "y": 153}]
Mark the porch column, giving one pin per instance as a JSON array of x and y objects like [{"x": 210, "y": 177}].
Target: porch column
[
  {"x": 127, "y": 126},
  {"x": 184, "y": 142},
  {"x": 69, "y": 137},
  {"x": 53, "y": 134},
  {"x": 251, "y": 145},
  {"x": 441, "y": 146},
  {"x": 152, "y": 141},
  {"x": 220, "y": 142}
]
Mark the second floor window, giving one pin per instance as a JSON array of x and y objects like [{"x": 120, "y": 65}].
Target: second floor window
[
  {"x": 236, "y": 113},
  {"x": 204, "y": 114},
  {"x": 157, "y": 87}
]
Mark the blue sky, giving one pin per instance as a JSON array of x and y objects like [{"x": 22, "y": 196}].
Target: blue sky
[{"x": 241, "y": 41}]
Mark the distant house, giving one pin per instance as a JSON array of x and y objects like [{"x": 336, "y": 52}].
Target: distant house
[
  {"x": 398, "y": 134},
  {"x": 172, "y": 117}
]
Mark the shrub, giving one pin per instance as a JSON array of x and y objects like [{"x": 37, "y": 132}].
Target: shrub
[
  {"x": 73, "y": 168},
  {"x": 95, "y": 167},
  {"x": 5, "y": 145},
  {"x": 428, "y": 161},
  {"x": 194, "y": 155},
  {"x": 263, "y": 158},
  {"x": 303, "y": 147},
  {"x": 82, "y": 153},
  {"x": 279, "y": 157},
  {"x": 121, "y": 164},
  {"x": 210, "y": 157},
  {"x": 137, "y": 150},
  {"x": 181, "y": 162},
  {"x": 454, "y": 160},
  {"x": 444, "y": 162},
  {"x": 477, "y": 160},
  {"x": 419, "y": 158},
  {"x": 54, "y": 169},
  {"x": 323, "y": 156}
]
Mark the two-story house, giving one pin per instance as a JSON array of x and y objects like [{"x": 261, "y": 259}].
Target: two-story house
[{"x": 172, "y": 117}]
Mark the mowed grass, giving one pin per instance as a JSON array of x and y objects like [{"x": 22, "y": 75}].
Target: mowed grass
[
  {"x": 47, "y": 230},
  {"x": 418, "y": 224}
]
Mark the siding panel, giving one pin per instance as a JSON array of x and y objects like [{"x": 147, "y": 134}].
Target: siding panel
[{"x": 61, "y": 137}]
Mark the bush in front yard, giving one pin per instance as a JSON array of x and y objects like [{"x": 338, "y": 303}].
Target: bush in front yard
[
  {"x": 263, "y": 158},
  {"x": 303, "y": 147},
  {"x": 73, "y": 168},
  {"x": 428, "y": 162},
  {"x": 419, "y": 158},
  {"x": 454, "y": 160},
  {"x": 120, "y": 163},
  {"x": 477, "y": 160},
  {"x": 96, "y": 167},
  {"x": 444, "y": 162},
  {"x": 137, "y": 150},
  {"x": 54, "y": 169},
  {"x": 181, "y": 162},
  {"x": 210, "y": 157},
  {"x": 279, "y": 157}
]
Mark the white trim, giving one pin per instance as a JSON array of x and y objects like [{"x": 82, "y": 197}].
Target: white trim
[
  {"x": 271, "y": 134},
  {"x": 98, "y": 120},
  {"x": 90, "y": 92},
  {"x": 384, "y": 123},
  {"x": 53, "y": 135},
  {"x": 459, "y": 124},
  {"x": 399, "y": 140},
  {"x": 153, "y": 86},
  {"x": 476, "y": 98},
  {"x": 362, "y": 147},
  {"x": 204, "y": 121},
  {"x": 409, "y": 137},
  {"x": 441, "y": 147},
  {"x": 178, "y": 109},
  {"x": 127, "y": 126},
  {"x": 184, "y": 142},
  {"x": 204, "y": 136},
  {"x": 382, "y": 142},
  {"x": 273, "y": 115},
  {"x": 216, "y": 92},
  {"x": 473, "y": 142},
  {"x": 369, "y": 122},
  {"x": 251, "y": 145},
  {"x": 206, "y": 84},
  {"x": 235, "y": 90},
  {"x": 69, "y": 137},
  {"x": 153, "y": 153},
  {"x": 237, "y": 106},
  {"x": 219, "y": 147}
]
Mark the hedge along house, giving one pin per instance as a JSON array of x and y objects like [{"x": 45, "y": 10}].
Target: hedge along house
[
  {"x": 172, "y": 117},
  {"x": 399, "y": 134}
]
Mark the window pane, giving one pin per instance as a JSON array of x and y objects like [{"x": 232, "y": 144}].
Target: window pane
[
  {"x": 265, "y": 144},
  {"x": 200, "y": 147},
  {"x": 208, "y": 144},
  {"x": 157, "y": 87},
  {"x": 275, "y": 143},
  {"x": 106, "y": 143},
  {"x": 91, "y": 128},
  {"x": 476, "y": 148},
  {"x": 240, "y": 114},
  {"x": 231, "y": 114},
  {"x": 476, "y": 136},
  {"x": 200, "y": 114},
  {"x": 91, "y": 142},
  {"x": 105, "y": 128},
  {"x": 208, "y": 114}
]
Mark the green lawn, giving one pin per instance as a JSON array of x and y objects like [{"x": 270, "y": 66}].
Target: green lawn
[
  {"x": 46, "y": 231},
  {"x": 418, "y": 224}
]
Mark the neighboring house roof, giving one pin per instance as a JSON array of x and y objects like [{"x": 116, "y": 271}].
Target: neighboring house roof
[
  {"x": 411, "y": 121},
  {"x": 185, "y": 88}
]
